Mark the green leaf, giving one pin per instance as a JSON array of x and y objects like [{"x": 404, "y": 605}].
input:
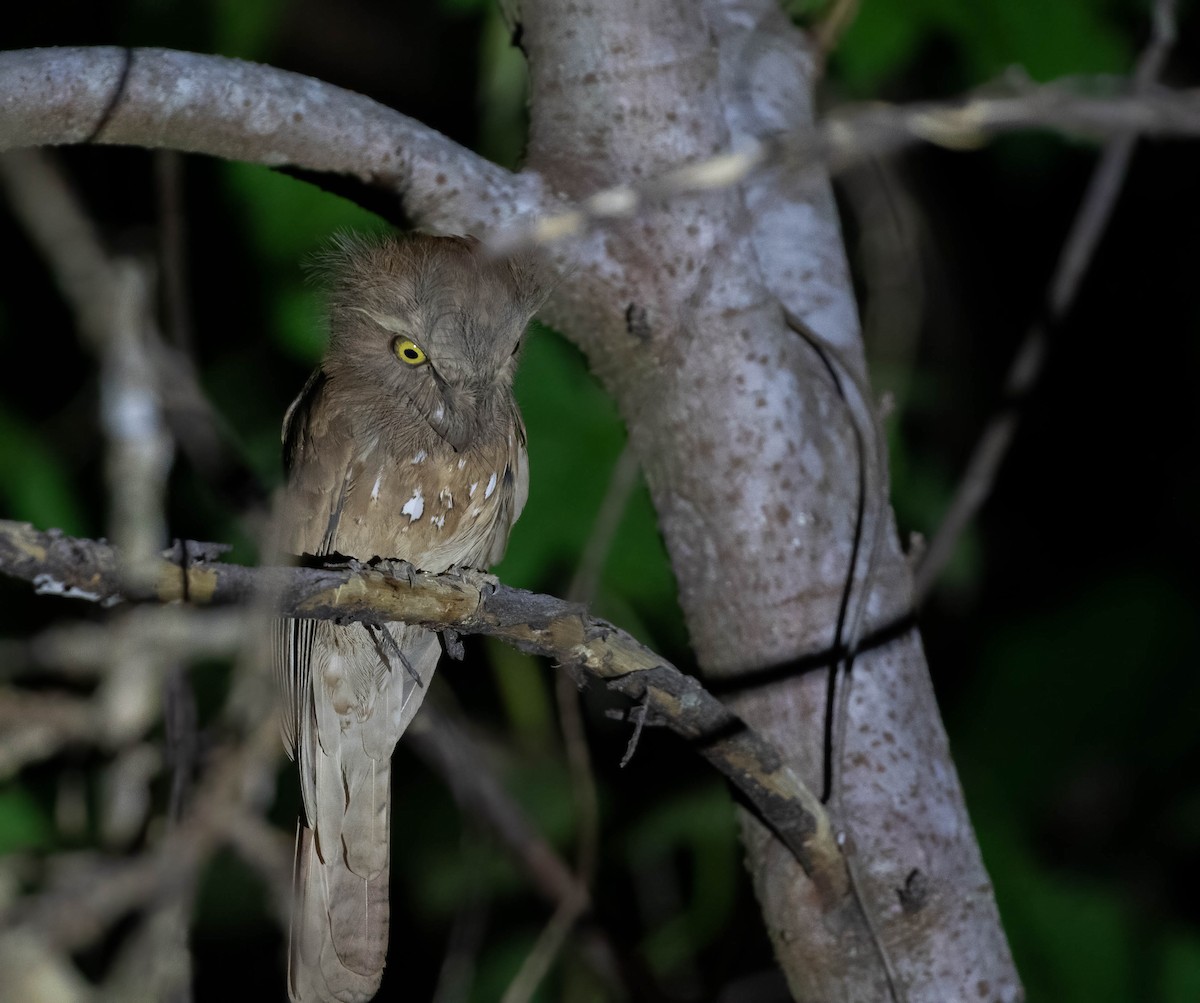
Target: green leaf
[
  {"x": 700, "y": 825},
  {"x": 575, "y": 437},
  {"x": 978, "y": 41},
  {"x": 23, "y": 824},
  {"x": 34, "y": 485},
  {"x": 1181, "y": 968},
  {"x": 246, "y": 30}
]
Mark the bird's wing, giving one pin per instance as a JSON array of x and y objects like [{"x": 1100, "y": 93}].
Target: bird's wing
[{"x": 348, "y": 694}]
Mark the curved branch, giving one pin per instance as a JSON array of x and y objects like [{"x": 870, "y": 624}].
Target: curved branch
[
  {"x": 246, "y": 111},
  {"x": 470, "y": 602}
]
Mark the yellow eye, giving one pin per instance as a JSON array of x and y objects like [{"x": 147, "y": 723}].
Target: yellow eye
[{"x": 408, "y": 351}]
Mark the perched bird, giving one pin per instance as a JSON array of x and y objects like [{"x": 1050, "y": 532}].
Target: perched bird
[{"x": 405, "y": 443}]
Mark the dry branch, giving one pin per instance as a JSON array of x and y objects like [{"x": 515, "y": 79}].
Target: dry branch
[{"x": 469, "y": 602}]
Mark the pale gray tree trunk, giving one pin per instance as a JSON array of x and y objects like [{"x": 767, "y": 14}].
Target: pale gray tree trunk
[{"x": 754, "y": 468}]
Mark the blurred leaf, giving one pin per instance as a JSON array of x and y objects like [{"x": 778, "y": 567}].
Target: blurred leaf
[
  {"x": 288, "y": 218},
  {"x": 524, "y": 694},
  {"x": 444, "y": 873},
  {"x": 881, "y": 40},
  {"x": 231, "y": 895},
  {"x": 542, "y": 786},
  {"x": 1072, "y": 686},
  {"x": 889, "y": 37},
  {"x": 34, "y": 487},
  {"x": 23, "y": 824},
  {"x": 922, "y": 492},
  {"x": 500, "y": 963},
  {"x": 1071, "y": 940},
  {"x": 1181, "y": 969},
  {"x": 639, "y": 568},
  {"x": 575, "y": 436},
  {"x": 447, "y": 877},
  {"x": 290, "y": 221},
  {"x": 246, "y": 30},
  {"x": 503, "y": 92},
  {"x": 699, "y": 825},
  {"x": 1047, "y": 40},
  {"x": 300, "y": 323}
]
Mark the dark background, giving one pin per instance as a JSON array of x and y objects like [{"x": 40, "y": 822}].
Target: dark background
[{"x": 1063, "y": 638}]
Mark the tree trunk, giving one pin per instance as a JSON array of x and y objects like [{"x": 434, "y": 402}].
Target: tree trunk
[{"x": 754, "y": 468}]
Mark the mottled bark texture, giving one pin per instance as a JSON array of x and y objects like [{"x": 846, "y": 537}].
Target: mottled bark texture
[{"x": 752, "y": 463}]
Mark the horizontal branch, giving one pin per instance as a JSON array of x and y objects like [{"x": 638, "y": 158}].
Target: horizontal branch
[
  {"x": 856, "y": 133},
  {"x": 161, "y": 98},
  {"x": 259, "y": 114},
  {"x": 470, "y": 602}
]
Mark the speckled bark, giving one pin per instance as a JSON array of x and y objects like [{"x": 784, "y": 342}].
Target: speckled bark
[{"x": 752, "y": 464}]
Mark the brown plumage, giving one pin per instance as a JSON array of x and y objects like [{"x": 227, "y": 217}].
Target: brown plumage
[{"x": 405, "y": 443}]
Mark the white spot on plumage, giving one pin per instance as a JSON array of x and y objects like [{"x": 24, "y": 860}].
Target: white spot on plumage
[
  {"x": 419, "y": 455},
  {"x": 471, "y": 493},
  {"x": 375, "y": 489},
  {"x": 439, "y": 413},
  {"x": 446, "y": 498},
  {"x": 414, "y": 507},
  {"x": 491, "y": 486},
  {"x": 462, "y": 462},
  {"x": 438, "y": 520},
  {"x": 475, "y": 512}
]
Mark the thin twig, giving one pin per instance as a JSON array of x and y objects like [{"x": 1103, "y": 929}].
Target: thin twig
[
  {"x": 111, "y": 301},
  {"x": 75, "y": 915},
  {"x": 830, "y": 29},
  {"x": 621, "y": 482},
  {"x": 582, "y": 589},
  {"x": 855, "y": 133},
  {"x": 537, "y": 962},
  {"x": 172, "y": 247},
  {"x": 441, "y": 740},
  {"x": 1088, "y": 227}
]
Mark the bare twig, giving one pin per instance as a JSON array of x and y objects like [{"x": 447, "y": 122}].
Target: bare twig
[
  {"x": 439, "y": 739},
  {"x": 533, "y": 969},
  {"x": 57, "y": 224},
  {"x": 172, "y": 247},
  {"x": 621, "y": 482},
  {"x": 36, "y": 726},
  {"x": 582, "y": 589},
  {"x": 1089, "y": 225},
  {"x": 830, "y": 29},
  {"x": 74, "y": 915},
  {"x": 140, "y": 449},
  {"x": 111, "y": 299},
  {"x": 470, "y": 602},
  {"x": 856, "y": 133}
]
